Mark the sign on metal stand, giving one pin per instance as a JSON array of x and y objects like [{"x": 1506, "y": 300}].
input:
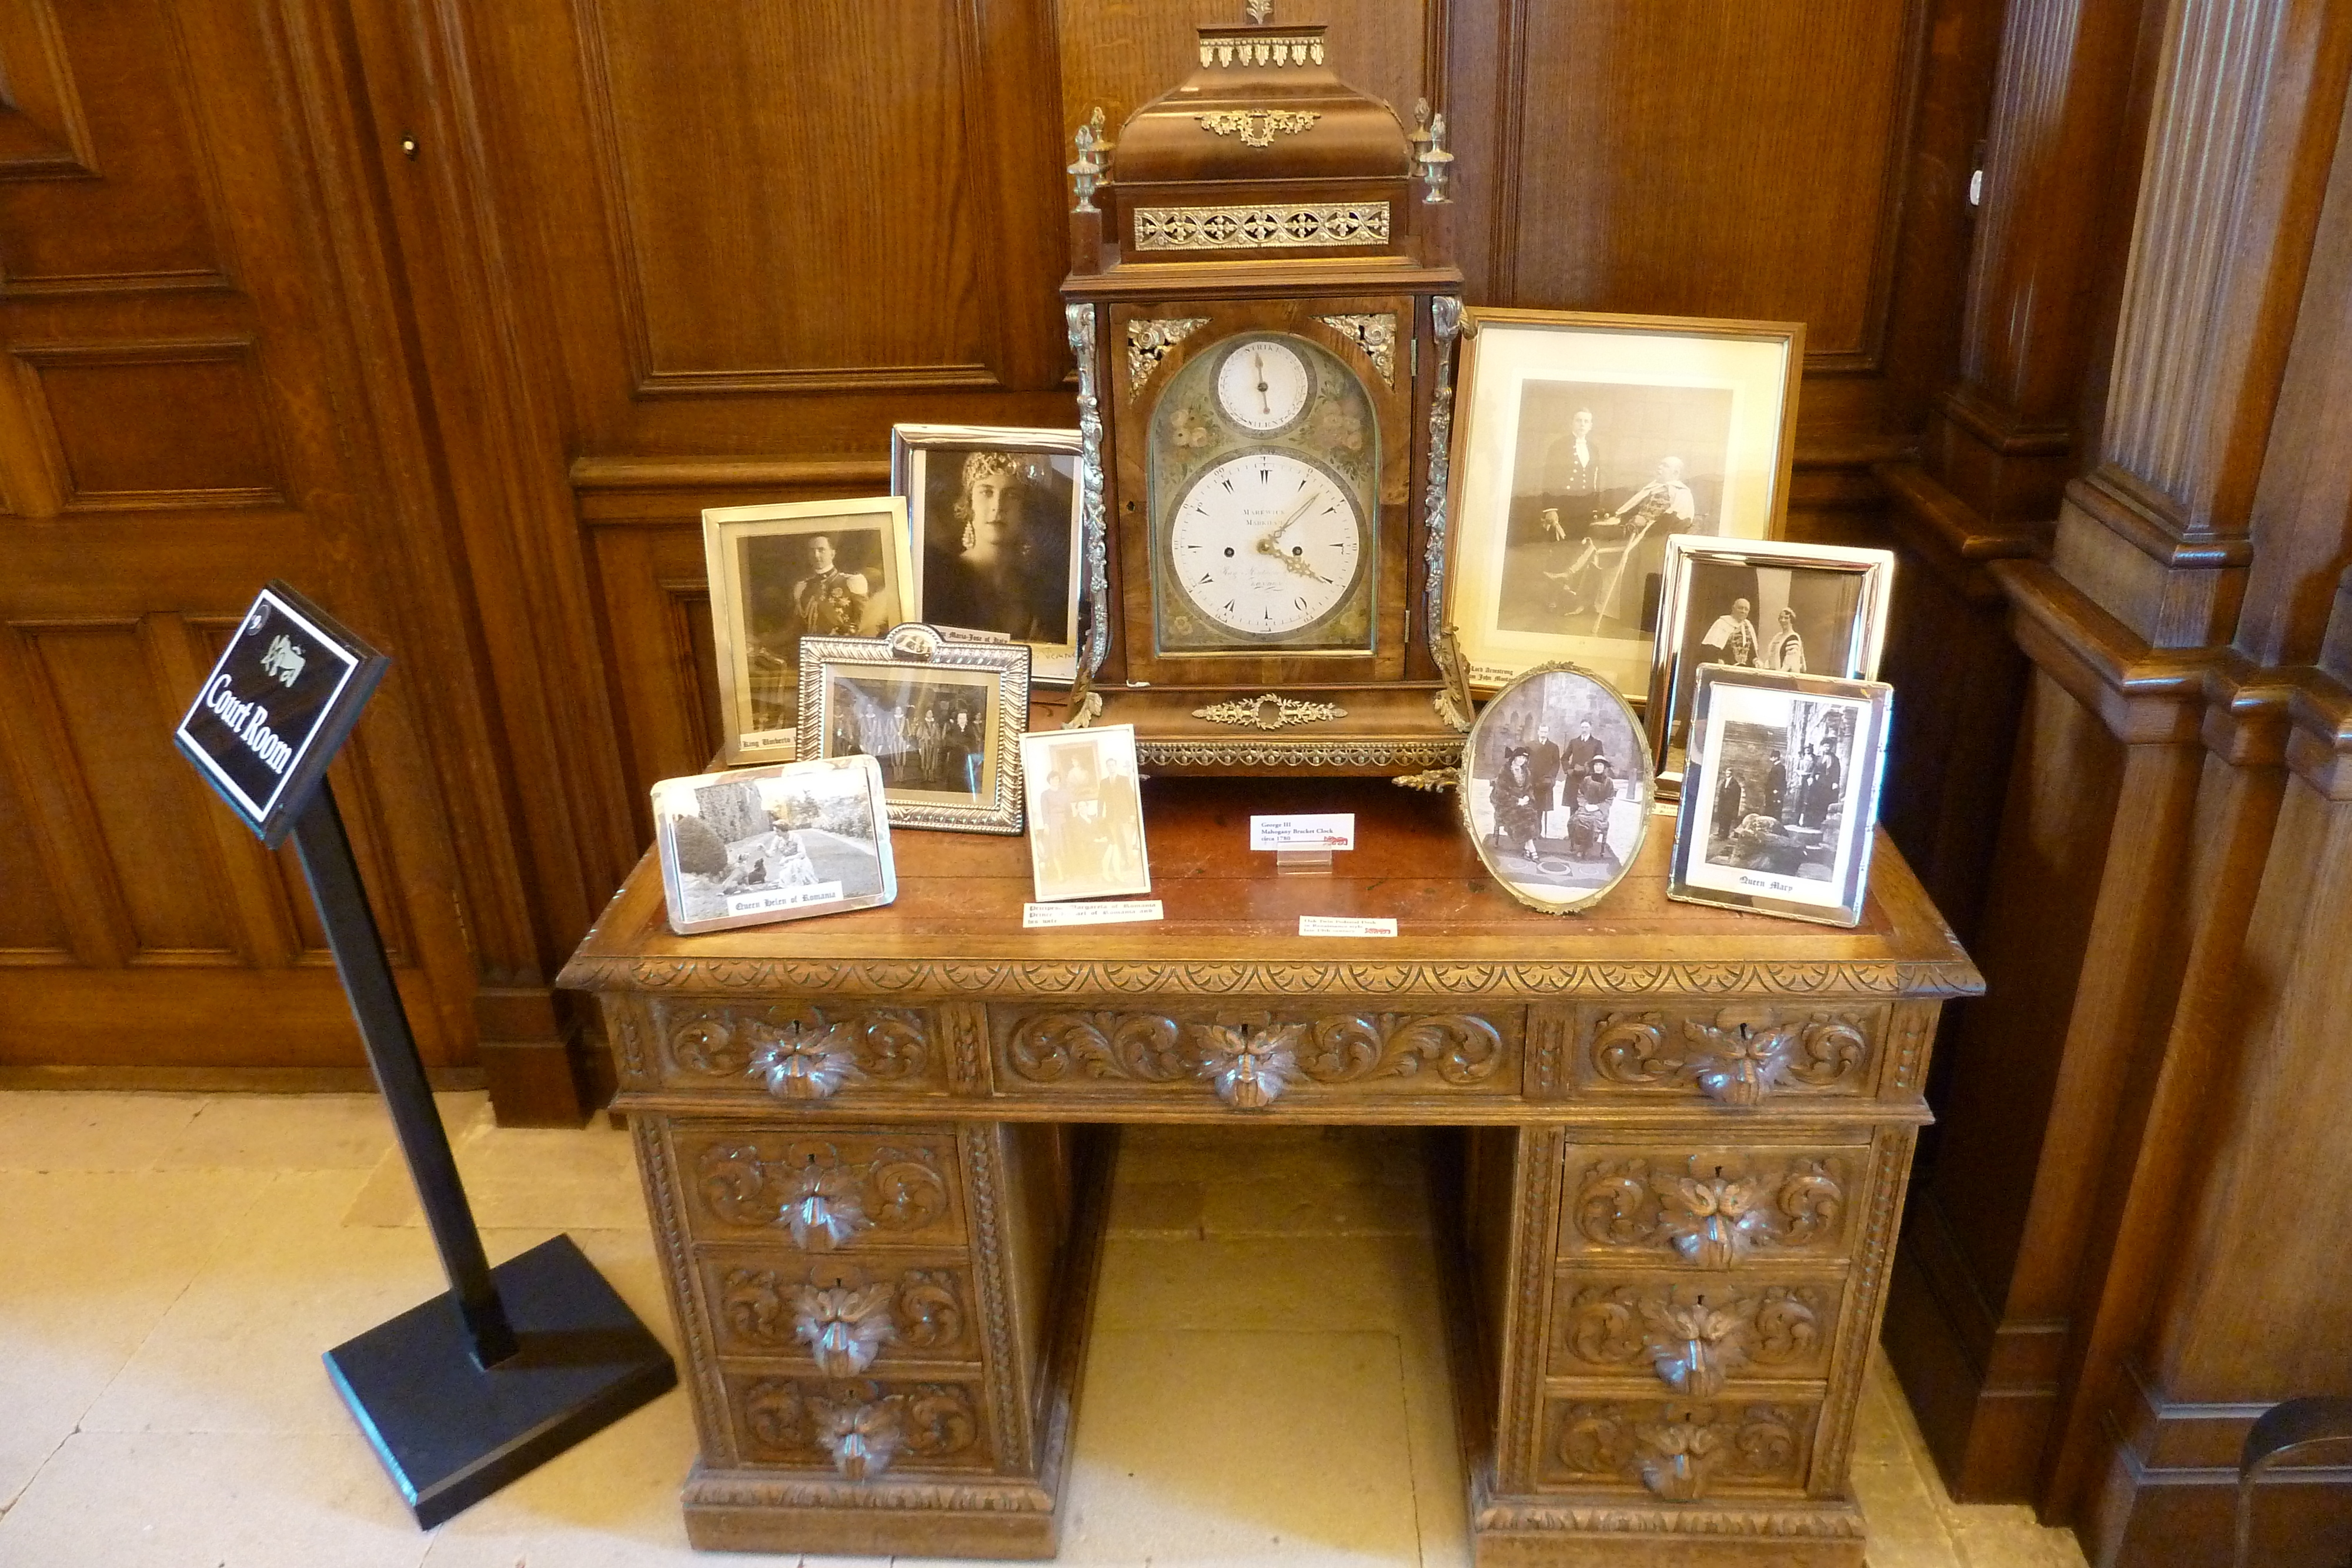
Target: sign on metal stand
[{"x": 463, "y": 1393}]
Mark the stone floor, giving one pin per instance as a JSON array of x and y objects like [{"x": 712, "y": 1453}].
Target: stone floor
[{"x": 172, "y": 1266}]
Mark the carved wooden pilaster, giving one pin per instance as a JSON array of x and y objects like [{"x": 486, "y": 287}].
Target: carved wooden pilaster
[{"x": 2241, "y": 134}]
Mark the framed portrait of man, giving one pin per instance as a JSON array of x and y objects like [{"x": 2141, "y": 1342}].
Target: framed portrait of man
[
  {"x": 1582, "y": 444},
  {"x": 1760, "y": 605},
  {"x": 995, "y": 516},
  {"x": 780, "y": 573}
]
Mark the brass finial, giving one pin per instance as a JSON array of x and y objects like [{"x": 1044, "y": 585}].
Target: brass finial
[{"x": 1086, "y": 171}]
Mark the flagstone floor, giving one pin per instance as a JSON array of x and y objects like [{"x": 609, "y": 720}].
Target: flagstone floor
[{"x": 1265, "y": 1385}]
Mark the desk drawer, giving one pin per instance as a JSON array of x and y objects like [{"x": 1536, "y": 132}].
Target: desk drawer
[
  {"x": 840, "y": 1190},
  {"x": 1680, "y": 1450},
  {"x": 1713, "y": 1208},
  {"x": 1697, "y": 1336},
  {"x": 862, "y": 1428},
  {"x": 795, "y": 1053},
  {"x": 1743, "y": 1055},
  {"x": 1251, "y": 1058},
  {"x": 880, "y": 1315}
]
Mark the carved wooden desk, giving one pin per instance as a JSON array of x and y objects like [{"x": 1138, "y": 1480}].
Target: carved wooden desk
[{"x": 1684, "y": 1137}]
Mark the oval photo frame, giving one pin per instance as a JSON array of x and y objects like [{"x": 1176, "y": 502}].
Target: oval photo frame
[{"x": 1556, "y": 787}]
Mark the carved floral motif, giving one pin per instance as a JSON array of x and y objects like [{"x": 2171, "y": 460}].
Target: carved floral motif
[
  {"x": 1375, "y": 335},
  {"x": 856, "y": 1425},
  {"x": 800, "y": 1052},
  {"x": 1445, "y": 318},
  {"x": 1247, "y": 1065},
  {"x": 1288, "y": 226},
  {"x": 1257, "y": 127},
  {"x": 1148, "y": 343},
  {"x": 1270, "y": 712},
  {"x": 1695, "y": 1339},
  {"x": 844, "y": 1316},
  {"x": 1680, "y": 1451},
  {"x": 1739, "y": 1059},
  {"x": 1715, "y": 1215},
  {"x": 822, "y": 1200}
]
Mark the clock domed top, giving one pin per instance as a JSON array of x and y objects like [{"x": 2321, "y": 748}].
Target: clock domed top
[{"x": 1261, "y": 103}]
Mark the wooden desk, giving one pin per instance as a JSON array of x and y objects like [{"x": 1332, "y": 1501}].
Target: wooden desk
[{"x": 1685, "y": 1138}]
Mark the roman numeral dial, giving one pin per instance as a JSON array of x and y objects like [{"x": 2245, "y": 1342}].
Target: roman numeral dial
[{"x": 1265, "y": 544}]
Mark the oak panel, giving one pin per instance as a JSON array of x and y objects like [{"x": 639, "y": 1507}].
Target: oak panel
[
  {"x": 30, "y": 929},
  {"x": 745, "y": 149},
  {"x": 1688, "y": 158},
  {"x": 178, "y": 425}
]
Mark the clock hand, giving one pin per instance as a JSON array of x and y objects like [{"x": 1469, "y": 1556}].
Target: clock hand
[{"x": 1258, "y": 359}]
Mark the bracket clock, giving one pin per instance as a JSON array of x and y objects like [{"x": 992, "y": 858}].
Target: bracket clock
[{"x": 1264, "y": 324}]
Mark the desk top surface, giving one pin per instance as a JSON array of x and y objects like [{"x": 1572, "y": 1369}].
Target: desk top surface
[{"x": 1230, "y": 923}]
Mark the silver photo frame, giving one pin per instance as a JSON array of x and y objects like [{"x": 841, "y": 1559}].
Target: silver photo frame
[
  {"x": 1555, "y": 789},
  {"x": 941, "y": 716},
  {"x": 993, "y": 513},
  {"x": 1767, "y": 604},
  {"x": 763, "y": 844},
  {"x": 1780, "y": 793}
]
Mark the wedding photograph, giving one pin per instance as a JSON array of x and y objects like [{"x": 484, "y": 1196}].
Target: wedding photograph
[
  {"x": 1557, "y": 792},
  {"x": 779, "y": 573},
  {"x": 994, "y": 519},
  {"x": 1085, "y": 814},
  {"x": 773, "y": 844}
]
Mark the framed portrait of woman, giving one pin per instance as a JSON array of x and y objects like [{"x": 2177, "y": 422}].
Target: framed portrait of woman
[{"x": 994, "y": 511}]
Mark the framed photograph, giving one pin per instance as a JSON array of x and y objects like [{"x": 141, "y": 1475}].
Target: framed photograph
[
  {"x": 1581, "y": 445},
  {"x": 1556, "y": 787},
  {"x": 1780, "y": 793},
  {"x": 1760, "y": 605},
  {"x": 779, "y": 573},
  {"x": 773, "y": 844},
  {"x": 995, "y": 516},
  {"x": 937, "y": 713},
  {"x": 1086, "y": 813}
]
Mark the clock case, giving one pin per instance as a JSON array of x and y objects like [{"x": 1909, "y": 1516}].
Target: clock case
[{"x": 1265, "y": 194}]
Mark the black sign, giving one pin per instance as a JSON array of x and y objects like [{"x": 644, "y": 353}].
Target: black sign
[{"x": 274, "y": 711}]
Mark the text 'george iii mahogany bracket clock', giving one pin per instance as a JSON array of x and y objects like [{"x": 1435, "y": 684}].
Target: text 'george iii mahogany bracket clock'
[{"x": 1263, "y": 319}]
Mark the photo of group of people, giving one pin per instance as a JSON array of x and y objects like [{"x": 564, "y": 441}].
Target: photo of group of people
[
  {"x": 1558, "y": 786},
  {"x": 927, "y": 732},
  {"x": 1779, "y": 792},
  {"x": 1086, "y": 813}
]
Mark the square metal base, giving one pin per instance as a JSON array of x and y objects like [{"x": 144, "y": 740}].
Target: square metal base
[{"x": 451, "y": 1433}]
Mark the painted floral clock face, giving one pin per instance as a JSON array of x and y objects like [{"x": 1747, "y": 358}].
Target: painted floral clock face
[
  {"x": 1263, "y": 459},
  {"x": 1264, "y": 543}
]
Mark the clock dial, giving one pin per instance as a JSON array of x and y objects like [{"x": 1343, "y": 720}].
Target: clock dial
[
  {"x": 1264, "y": 543},
  {"x": 1262, "y": 384}
]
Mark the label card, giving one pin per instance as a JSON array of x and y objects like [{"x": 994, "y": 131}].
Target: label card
[
  {"x": 274, "y": 711},
  {"x": 1344, "y": 925},
  {"x": 1098, "y": 911},
  {"x": 783, "y": 898},
  {"x": 1330, "y": 831}
]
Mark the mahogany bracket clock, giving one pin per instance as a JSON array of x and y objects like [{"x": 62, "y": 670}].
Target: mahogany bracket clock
[{"x": 1263, "y": 319}]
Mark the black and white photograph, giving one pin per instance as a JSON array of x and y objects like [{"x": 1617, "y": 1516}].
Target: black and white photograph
[
  {"x": 995, "y": 516},
  {"x": 930, "y": 733},
  {"x": 1556, "y": 789},
  {"x": 1761, "y": 604},
  {"x": 1781, "y": 793},
  {"x": 1585, "y": 444},
  {"x": 933, "y": 711},
  {"x": 780, "y": 573},
  {"x": 773, "y": 844},
  {"x": 1085, "y": 814}
]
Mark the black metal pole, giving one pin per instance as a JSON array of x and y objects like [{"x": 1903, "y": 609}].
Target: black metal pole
[{"x": 335, "y": 878}]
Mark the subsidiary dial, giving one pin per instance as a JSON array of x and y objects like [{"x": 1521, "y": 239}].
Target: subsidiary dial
[
  {"x": 1262, "y": 384},
  {"x": 1264, "y": 543}
]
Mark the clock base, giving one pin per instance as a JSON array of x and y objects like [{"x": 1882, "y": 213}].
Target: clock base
[{"x": 1382, "y": 732}]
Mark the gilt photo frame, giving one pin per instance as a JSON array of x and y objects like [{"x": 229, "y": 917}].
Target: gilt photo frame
[
  {"x": 941, "y": 715},
  {"x": 1764, "y": 604},
  {"x": 781, "y": 572},
  {"x": 992, "y": 513},
  {"x": 1584, "y": 442}
]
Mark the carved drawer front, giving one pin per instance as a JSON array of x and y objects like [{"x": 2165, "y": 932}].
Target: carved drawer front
[
  {"x": 838, "y": 1316},
  {"x": 861, "y": 1427},
  {"x": 1712, "y": 1209},
  {"x": 1680, "y": 1450},
  {"x": 1696, "y": 1336},
  {"x": 800, "y": 1053},
  {"x": 846, "y": 1190},
  {"x": 1743, "y": 1055},
  {"x": 1249, "y": 1060}
]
